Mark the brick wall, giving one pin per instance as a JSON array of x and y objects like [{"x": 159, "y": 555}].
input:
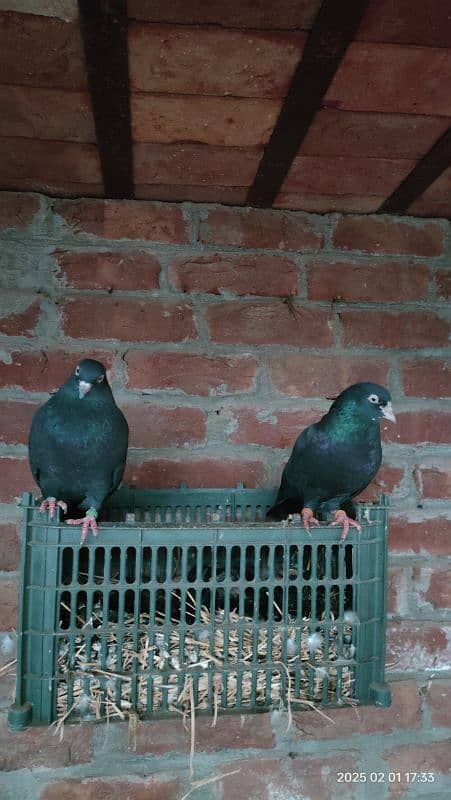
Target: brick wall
[{"x": 224, "y": 331}]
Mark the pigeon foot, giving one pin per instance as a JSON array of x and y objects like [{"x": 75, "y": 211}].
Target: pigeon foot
[
  {"x": 341, "y": 518},
  {"x": 308, "y": 519},
  {"x": 51, "y": 503},
  {"x": 86, "y": 522}
]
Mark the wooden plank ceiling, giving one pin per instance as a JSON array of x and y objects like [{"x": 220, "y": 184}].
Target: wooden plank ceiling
[{"x": 300, "y": 104}]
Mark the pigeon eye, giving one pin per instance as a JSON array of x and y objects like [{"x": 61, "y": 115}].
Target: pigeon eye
[
  {"x": 77, "y": 371},
  {"x": 99, "y": 380},
  {"x": 373, "y": 398}
]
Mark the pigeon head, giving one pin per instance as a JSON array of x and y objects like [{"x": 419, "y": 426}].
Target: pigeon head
[
  {"x": 88, "y": 374},
  {"x": 368, "y": 400}
]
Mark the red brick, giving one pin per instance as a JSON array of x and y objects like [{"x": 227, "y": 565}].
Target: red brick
[
  {"x": 250, "y": 227},
  {"x": 235, "y": 14},
  {"x": 124, "y": 219},
  {"x": 21, "y": 323},
  {"x": 107, "y": 788},
  {"x": 415, "y": 646},
  {"x": 386, "y": 235},
  {"x": 43, "y": 371},
  {"x": 436, "y": 481},
  {"x": 195, "y": 164},
  {"x": 301, "y": 375},
  {"x": 68, "y": 117},
  {"x": 439, "y": 590},
  {"x": 346, "y": 175},
  {"x": 48, "y": 162},
  {"x": 443, "y": 283},
  {"x": 392, "y": 329},
  {"x": 36, "y": 747},
  {"x": 15, "y": 421},
  {"x": 158, "y": 426},
  {"x": 429, "y": 377},
  {"x": 430, "y": 535},
  {"x": 9, "y": 591},
  {"x": 9, "y": 546},
  {"x": 406, "y": 22},
  {"x": 258, "y": 275},
  {"x": 328, "y": 203},
  {"x": 415, "y": 427},
  {"x": 16, "y": 479},
  {"x": 439, "y": 701},
  {"x": 397, "y": 589},
  {"x": 17, "y": 209},
  {"x": 371, "y": 135},
  {"x": 249, "y": 322},
  {"x": 217, "y": 121},
  {"x": 433, "y": 757},
  {"x": 379, "y": 281},
  {"x": 197, "y": 472},
  {"x": 59, "y": 186},
  {"x": 404, "y": 713},
  {"x": 300, "y": 776},
  {"x": 134, "y": 269},
  {"x": 50, "y": 50},
  {"x": 190, "y": 373},
  {"x": 384, "y": 77},
  {"x": 134, "y": 320},
  {"x": 211, "y": 61},
  {"x": 268, "y": 426},
  {"x": 197, "y": 194},
  {"x": 231, "y": 732},
  {"x": 387, "y": 481}
]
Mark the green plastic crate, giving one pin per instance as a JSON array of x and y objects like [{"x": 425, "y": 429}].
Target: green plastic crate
[{"x": 189, "y": 595}]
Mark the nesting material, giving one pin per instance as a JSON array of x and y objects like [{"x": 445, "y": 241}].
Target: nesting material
[{"x": 111, "y": 671}]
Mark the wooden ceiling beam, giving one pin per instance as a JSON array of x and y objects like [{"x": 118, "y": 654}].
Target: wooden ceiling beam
[
  {"x": 104, "y": 27},
  {"x": 333, "y": 29},
  {"x": 424, "y": 173}
]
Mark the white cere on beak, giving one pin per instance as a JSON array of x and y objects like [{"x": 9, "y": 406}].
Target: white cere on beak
[
  {"x": 387, "y": 412},
  {"x": 83, "y": 388}
]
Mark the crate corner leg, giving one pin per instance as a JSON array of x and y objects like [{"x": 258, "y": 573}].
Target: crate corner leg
[
  {"x": 381, "y": 694},
  {"x": 19, "y": 716}
]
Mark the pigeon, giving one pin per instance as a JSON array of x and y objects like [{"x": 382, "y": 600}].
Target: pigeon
[
  {"x": 335, "y": 459},
  {"x": 78, "y": 445}
]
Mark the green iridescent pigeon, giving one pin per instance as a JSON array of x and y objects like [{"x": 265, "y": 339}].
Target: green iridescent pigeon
[
  {"x": 78, "y": 445},
  {"x": 336, "y": 458}
]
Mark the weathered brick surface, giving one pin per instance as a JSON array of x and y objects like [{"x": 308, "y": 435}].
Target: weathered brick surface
[
  {"x": 124, "y": 219},
  {"x": 216, "y": 274},
  {"x": 415, "y": 646},
  {"x": 436, "y": 480},
  {"x": 154, "y": 788},
  {"x": 250, "y": 322},
  {"x": 68, "y": 114},
  {"x": 9, "y": 546},
  {"x": 16, "y": 478},
  {"x": 391, "y": 329},
  {"x": 22, "y": 322},
  {"x": 43, "y": 370},
  {"x": 194, "y": 164},
  {"x": 135, "y": 269},
  {"x": 386, "y": 235},
  {"x": 17, "y": 209},
  {"x": 346, "y": 175},
  {"x": 419, "y": 758},
  {"x": 439, "y": 701},
  {"x": 154, "y": 426},
  {"x": 382, "y": 281},
  {"x": 428, "y": 536},
  {"x": 196, "y": 472},
  {"x": 15, "y": 421},
  {"x": 302, "y": 375},
  {"x": 129, "y": 320},
  {"x": 8, "y": 603},
  {"x": 443, "y": 283},
  {"x": 269, "y": 428},
  {"x": 190, "y": 373},
  {"x": 37, "y": 747},
  {"x": 427, "y": 378},
  {"x": 438, "y": 592},
  {"x": 416, "y": 427},
  {"x": 236, "y": 14},
  {"x": 249, "y": 227}
]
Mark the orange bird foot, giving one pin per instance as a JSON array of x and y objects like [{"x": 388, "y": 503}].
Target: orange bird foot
[
  {"x": 341, "y": 518},
  {"x": 51, "y": 503},
  {"x": 308, "y": 519}
]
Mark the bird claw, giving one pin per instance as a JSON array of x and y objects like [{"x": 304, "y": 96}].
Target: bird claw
[
  {"x": 341, "y": 518},
  {"x": 308, "y": 518},
  {"x": 87, "y": 522},
  {"x": 51, "y": 503}
]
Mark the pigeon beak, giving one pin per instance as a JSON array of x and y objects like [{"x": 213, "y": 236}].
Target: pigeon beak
[
  {"x": 83, "y": 388},
  {"x": 387, "y": 412}
]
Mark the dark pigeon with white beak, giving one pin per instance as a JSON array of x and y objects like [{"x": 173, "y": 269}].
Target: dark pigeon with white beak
[
  {"x": 78, "y": 445},
  {"x": 336, "y": 458}
]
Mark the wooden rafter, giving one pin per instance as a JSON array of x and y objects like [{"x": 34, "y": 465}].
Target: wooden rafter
[
  {"x": 104, "y": 26},
  {"x": 333, "y": 30},
  {"x": 424, "y": 173}
]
